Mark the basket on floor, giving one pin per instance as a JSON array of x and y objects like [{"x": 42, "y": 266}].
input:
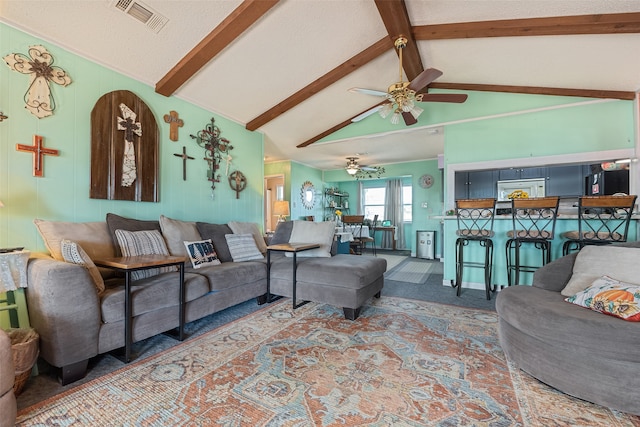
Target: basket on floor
[{"x": 25, "y": 349}]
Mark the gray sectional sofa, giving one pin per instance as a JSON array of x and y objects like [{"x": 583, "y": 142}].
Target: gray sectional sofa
[
  {"x": 77, "y": 321},
  {"x": 583, "y": 353}
]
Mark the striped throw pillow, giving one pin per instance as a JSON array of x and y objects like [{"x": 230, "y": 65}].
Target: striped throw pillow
[
  {"x": 146, "y": 242},
  {"x": 243, "y": 247}
]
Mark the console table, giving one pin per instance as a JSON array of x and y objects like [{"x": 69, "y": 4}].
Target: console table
[
  {"x": 130, "y": 264},
  {"x": 13, "y": 275}
]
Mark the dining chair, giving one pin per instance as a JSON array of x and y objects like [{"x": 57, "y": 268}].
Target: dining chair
[
  {"x": 354, "y": 222},
  {"x": 372, "y": 236},
  {"x": 602, "y": 220}
]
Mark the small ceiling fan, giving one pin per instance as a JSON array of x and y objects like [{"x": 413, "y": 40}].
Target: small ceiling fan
[
  {"x": 353, "y": 168},
  {"x": 402, "y": 96}
]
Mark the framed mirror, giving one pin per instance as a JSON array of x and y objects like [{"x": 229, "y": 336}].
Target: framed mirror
[{"x": 308, "y": 195}]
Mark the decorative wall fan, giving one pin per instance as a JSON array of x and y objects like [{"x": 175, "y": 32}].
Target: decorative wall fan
[
  {"x": 402, "y": 96},
  {"x": 362, "y": 171}
]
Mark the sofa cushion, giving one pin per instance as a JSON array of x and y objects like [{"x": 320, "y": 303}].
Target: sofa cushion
[
  {"x": 176, "y": 232},
  {"x": 234, "y": 274},
  {"x": 313, "y": 232},
  {"x": 151, "y": 294},
  {"x": 94, "y": 237},
  {"x": 249, "y": 228},
  {"x": 610, "y": 296},
  {"x": 145, "y": 242},
  {"x": 201, "y": 253},
  {"x": 282, "y": 233},
  {"x": 216, "y": 233},
  {"x": 243, "y": 247},
  {"x": 117, "y": 222},
  {"x": 343, "y": 270},
  {"x": 72, "y": 252},
  {"x": 593, "y": 262}
]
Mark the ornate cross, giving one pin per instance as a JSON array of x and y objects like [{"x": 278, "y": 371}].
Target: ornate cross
[
  {"x": 38, "y": 98},
  {"x": 184, "y": 158},
  {"x": 174, "y": 124},
  {"x": 38, "y": 152},
  {"x": 128, "y": 124}
]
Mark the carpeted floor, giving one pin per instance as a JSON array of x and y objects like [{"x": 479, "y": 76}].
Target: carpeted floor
[{"x": 403, "y": 363}]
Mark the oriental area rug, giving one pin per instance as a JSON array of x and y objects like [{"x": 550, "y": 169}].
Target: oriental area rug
[{"x": 401, "y": 363}]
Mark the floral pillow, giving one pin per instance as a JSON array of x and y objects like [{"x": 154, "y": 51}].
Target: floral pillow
[{"x": 610, "y": 296}]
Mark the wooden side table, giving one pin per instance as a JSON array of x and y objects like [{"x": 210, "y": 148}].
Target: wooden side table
[
  {"x": 293, "y": 248},
  {"x": 130, "y": 264},
  {"x": 13, "y": 276}
]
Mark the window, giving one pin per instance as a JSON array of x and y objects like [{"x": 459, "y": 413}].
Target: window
[
  {"x": 373, "y": 201},
  {"x": 407, "y": 204}
]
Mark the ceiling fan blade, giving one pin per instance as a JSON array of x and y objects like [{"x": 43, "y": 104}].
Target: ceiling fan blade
[
  {"x": 456, "y": 98},
  {"x": 368, "y": 91},
  {"x": 366, "y": 113},
  {"x": 424, "y": 78},
  {"x": 409, "y": 119}
]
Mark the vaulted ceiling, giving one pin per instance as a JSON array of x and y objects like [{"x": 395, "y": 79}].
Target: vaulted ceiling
[{"x": 284, "y": 67}]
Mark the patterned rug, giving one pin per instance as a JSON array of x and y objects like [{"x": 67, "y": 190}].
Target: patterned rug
[
  {"x": 392, "y": 260},
  {"x": 411, "y": 271},
  {"x": 402, "y": 363}
]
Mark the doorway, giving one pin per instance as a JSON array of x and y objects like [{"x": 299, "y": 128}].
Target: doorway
[{"x": 273, "y": 191}]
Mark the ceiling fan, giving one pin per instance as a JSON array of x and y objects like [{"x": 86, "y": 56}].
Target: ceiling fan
[
  {"x": 354, "y": 169},
  {"x": 402, "y": 96}
]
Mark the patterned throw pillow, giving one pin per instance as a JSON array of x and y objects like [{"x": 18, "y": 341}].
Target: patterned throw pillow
[
  {"x": 147, "y": 242},
  {"x": 610, "y": 296},
  {"x": 73, "y": 253},
  {"x": 243, "y": 247},
  {"x": 201, "y": 253}
]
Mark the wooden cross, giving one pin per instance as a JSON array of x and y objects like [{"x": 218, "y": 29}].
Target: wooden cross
[
  {"x": 174, "y": 124},
  {"x": 38, "y": 152},
  {"x": 184, "y": 158},
  {"x": 2, "y": 116}
]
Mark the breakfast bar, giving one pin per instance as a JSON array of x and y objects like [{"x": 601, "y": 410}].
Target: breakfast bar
[{"x": 474, "y": 278}]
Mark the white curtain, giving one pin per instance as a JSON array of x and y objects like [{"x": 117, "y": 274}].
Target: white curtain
[
  {"x": 359, "y": 201},
  {"x": 393, "y": 211}
]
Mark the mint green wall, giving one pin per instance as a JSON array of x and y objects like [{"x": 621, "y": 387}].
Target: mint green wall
[
  {"x": 300, "y": 174},
  {"x": 585, "y": 128},
  {"x": 63, "y": 192}
]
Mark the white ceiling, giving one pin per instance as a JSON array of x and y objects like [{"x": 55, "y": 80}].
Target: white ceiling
[{"x": 298, "y": 41}]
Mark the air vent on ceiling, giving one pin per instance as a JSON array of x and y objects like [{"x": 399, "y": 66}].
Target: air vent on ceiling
[{"x": 143, "y": 13}]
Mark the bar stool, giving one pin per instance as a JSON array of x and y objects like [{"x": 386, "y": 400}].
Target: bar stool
[
  {"x": 534, "y": 222},
  {"x": 475, "y": 224},
  {"x": 601, "y": 220}
]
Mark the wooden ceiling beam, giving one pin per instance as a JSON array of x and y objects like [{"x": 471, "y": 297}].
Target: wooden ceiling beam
[
  {"x": 243, "y": 17},
  {"x": 335, "y": 128},
  {"x": 396, "y": 20},
  {"x": 614, "y": 23},
  {"x": 342, "y": 70},
  {"x": 534, "y": 90}
]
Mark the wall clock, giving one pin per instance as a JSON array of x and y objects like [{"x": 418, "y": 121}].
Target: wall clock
[{"x": 426, "y": 181}]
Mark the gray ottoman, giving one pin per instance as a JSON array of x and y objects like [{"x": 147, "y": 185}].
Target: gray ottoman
[{"x": 346, "y": 281}]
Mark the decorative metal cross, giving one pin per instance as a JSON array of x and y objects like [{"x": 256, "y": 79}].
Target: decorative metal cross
[
  {"x": 128, "y": 124},
  {"x": 214, "y": 145},
  {"x": 38, "y": 152},
  {"x": 174, "y": 124},
  {"x": 38, "y": 98},
  {"x": 184, "y": 158},
  {"x": 238, "y": 182}
]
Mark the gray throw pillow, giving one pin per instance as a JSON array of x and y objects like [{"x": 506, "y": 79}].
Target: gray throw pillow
[
  {"x": 117, "y": 222},
  {"x": 216, "y": 233}
]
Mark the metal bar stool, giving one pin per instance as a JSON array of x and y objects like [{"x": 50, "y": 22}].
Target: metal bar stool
[
  {"x": 475, "y": 224},
  {"x": 601, "y": 220},
  {"x": 534, "y": 222}
]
